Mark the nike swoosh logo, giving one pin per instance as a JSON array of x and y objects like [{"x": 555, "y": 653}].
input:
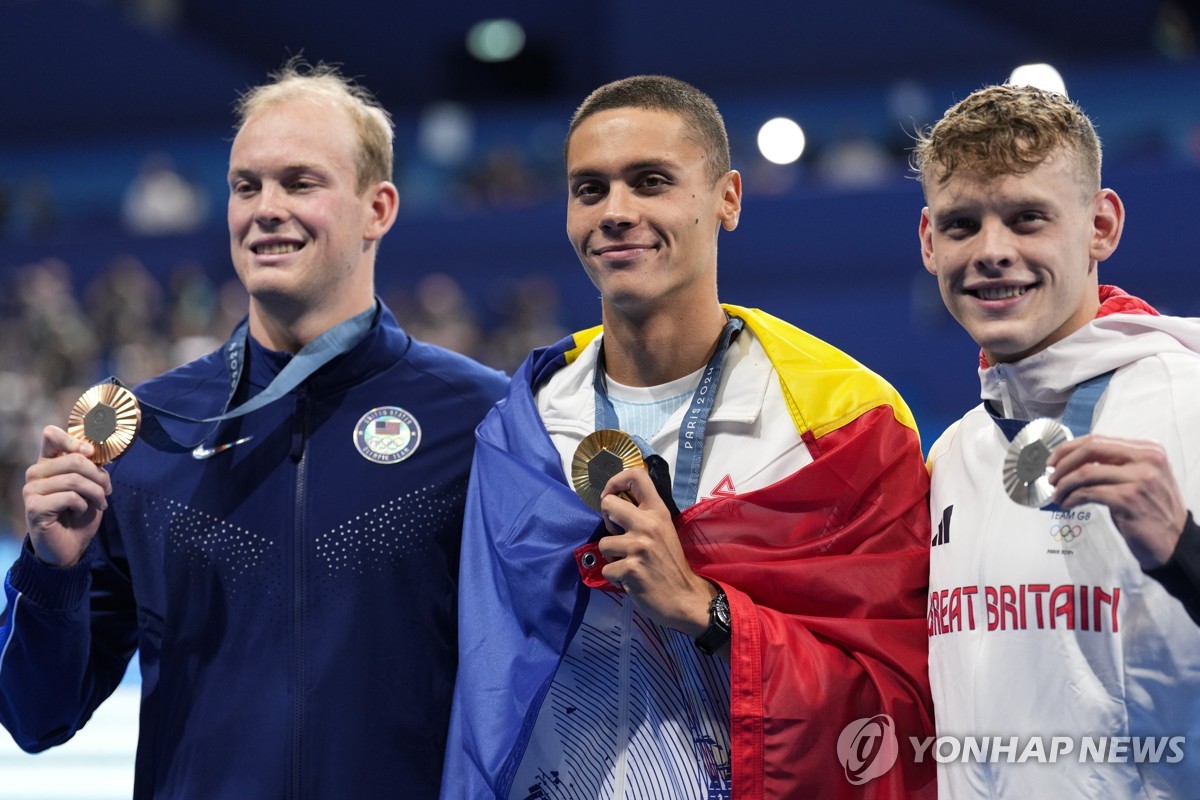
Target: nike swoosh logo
[{"x": 202, "y": 452}]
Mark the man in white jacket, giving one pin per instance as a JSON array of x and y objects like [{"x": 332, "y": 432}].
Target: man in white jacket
[{"x": 1064, "y": 655}]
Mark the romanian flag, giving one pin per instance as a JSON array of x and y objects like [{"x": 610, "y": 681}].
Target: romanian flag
[{"x": 826, "y": 573}]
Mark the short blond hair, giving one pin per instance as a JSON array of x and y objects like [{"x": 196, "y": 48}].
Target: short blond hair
[
  {"x": 372, "y": 123},
  {"x": 1002, "y": 130}
]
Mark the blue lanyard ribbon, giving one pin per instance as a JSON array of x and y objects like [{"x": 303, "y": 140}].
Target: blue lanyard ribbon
[
  {"x": 1082, "y": 405},
  {"x": 686, "y": 483},
  {"x": 1077, "y": 416},
  {"x": 336, "y": 341}
]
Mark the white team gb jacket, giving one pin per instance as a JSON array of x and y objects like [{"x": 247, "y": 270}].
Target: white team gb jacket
[{"x": 1059, "y": 669}]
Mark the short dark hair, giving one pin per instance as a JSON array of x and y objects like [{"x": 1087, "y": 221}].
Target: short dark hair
[
  {"x": 662, "y": 93},
  {"x": 1007, "y": 129}
]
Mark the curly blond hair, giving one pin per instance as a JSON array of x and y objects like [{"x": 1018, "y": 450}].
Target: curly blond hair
[{"x": 1002, "y": 130}]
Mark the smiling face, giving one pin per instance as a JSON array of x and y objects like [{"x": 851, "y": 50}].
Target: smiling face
[
  {"x": 1015, "y": 255},
  {"x": 302, "y": 235},
  {"x": 643, "y": 212}
]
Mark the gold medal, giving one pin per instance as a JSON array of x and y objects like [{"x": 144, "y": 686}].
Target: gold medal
[
  {"x": 108, "y": 416},
  {"x": 1026, "y": 476},
  {"x": 599, "y": 457}
]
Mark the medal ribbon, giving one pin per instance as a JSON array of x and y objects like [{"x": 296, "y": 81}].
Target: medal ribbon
[
  {"x": 1082, "y": 405},
  {"x": 686, "y": 484},
  {"x": 1077, "y": 416},
  {"x": 336, "y": 341}
]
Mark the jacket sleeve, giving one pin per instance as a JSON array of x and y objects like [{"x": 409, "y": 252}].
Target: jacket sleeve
[
  {"x": 1181, "y": 575},
  {"x": 827, "y": 574},
  {"x": 1174, "y": 422},
  {"x": 65, "y": 642}
]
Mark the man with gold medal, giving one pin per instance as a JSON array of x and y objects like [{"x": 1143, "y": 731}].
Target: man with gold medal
[
  {"x": 276, "y": 526},
  {"x": 741, "y": 575}
]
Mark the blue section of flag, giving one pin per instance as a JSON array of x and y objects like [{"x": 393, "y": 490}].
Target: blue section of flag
[{"x": 522, "y": 525}]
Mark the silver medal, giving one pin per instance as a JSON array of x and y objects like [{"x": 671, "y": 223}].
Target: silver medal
[{"x": 1026, "y": 476}]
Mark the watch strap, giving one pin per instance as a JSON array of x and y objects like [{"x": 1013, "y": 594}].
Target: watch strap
[{"x": 719, "y": 630}]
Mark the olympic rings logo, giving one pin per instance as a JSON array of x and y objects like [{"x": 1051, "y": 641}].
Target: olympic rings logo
[{"x": 1066, "y": 533}]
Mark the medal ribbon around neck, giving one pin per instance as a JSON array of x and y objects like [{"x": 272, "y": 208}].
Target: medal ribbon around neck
[
  {"x": 336, "y": 341},
  {"x": 686, "y": 483}
]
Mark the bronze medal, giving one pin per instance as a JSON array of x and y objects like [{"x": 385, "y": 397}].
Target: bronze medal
[
  {"x": 1026, "y": 476},
  {"x": 599, "y": 457},
  {"x": 108, "y": 416}
]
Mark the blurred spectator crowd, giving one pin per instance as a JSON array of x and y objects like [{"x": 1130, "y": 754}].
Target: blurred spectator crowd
[{"x": 58, "y": 338}]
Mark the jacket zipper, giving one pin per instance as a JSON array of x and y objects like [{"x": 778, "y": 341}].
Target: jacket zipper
[
  {"x": 299, "y": 440},
  {"x": 1005, "y": 398}
]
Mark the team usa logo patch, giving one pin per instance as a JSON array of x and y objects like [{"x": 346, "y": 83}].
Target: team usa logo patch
[{"x": 387, "y": 435}]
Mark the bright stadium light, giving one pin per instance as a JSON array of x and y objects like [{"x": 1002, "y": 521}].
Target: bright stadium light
[
  {"x": 493, "y": 40},
  {"x": 1041, "y": 76},
  {"x": 446, "y": 133},
  {"x": 781, "y": 140}
]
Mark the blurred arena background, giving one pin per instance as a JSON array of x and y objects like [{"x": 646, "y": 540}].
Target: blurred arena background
[{"x": 116, "y": 124}]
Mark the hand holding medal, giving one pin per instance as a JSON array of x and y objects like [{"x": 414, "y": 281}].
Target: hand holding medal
[
  {"x": 647, "y": 562},
  {"x": 65, "y": 497}
]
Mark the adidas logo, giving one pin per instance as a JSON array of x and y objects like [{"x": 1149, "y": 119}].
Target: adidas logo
[{"x": 943, "y": 530}]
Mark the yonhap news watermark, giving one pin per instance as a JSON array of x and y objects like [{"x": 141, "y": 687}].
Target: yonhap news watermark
[{"x": 869, "y": 747}]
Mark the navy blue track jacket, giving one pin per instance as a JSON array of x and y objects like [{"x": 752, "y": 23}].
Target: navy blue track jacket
[{"x": 293, "y": 597}]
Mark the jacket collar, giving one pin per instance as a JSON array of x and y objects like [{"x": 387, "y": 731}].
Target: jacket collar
[{"x": 571, "y": 404}]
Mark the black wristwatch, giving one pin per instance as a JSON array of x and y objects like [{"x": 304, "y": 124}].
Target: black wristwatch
[{"x": 720, "y": 626}]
